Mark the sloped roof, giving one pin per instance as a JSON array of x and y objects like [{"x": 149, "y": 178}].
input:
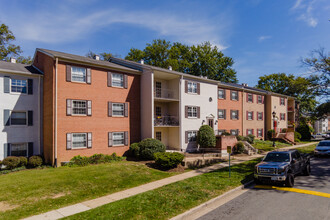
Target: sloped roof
[{"x": 18, "y": 68}]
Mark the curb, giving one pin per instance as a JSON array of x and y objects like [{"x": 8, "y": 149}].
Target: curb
[{"x": 190, "y": 213}]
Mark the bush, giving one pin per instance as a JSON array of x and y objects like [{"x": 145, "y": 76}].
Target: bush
[
  {"x": 35, "y": 161},
  {"x": 240, "y": 138},
  {"x": 148, "y": 147},
  {"x": 284, "y": 130},
  {"x": 297, "y": 136},
  {"x": 206, "y": 137},
  {"x": 250, "y": 138},
  {"x": 239, "y": 147},
  {"x": 23, "y": 161},
  {"x": 94, "y": 159},
  {"x": 134, "y": 150},
  {"x": 168, "y": 160},
  {"x": 225, "y": 133},
  {"x": 270, "y": 134},
  {"x": 305, "y": 132},
  {"x": 11, "y": 162},
  {"x": 79, "y": 161}
]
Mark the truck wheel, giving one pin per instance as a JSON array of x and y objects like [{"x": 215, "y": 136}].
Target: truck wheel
[
  {"x": 257, "y": 181},
  {"x": 289, "y": 182},
  {"x": 307, "y": 170}
]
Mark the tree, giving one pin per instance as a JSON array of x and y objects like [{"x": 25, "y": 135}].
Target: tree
[
  {"x": 322, "y": 111},
  {"x": 103, "y": 56},
  {"x": 206, "y": 137},
  {"x": 319, "y": 64},
  {"x": 7, "y": 49},
  {"x": 304, "y": 89},
  {"x": 24, "y": 60},
  {"x": 200, "y": 60}
]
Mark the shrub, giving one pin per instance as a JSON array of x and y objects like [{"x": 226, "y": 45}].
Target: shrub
[
  {"x": 148, "y": 147},
  {"x": 11, "y": 162},
  {"x": 225, "y": 133},
  {"x": 23, "y": 161},
  {"x": 79, "y": 161},
  {"x": 35, "y": 161},
  {"x": 134, "y": 150},
  {"x": 297, "y": 136},
  {"x": 270, "y": 134},
  {"x": 305, "y": 132},
  {"x": 239, "y": 147},
  {"x": 206, "y": 137},
  {"x": 168, "y": 160},
  {"x": 284, "y": 130},
  {"x": 250, "y": 138},
  {"x": 240, "y": 138},
  {"x": 94, "y": 159}
]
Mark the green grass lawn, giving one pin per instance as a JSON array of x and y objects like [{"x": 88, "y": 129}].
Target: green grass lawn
[
  {"x": 171, "y": 200},
  {"x": 268, "y": 145},
  {"x": 35, "y": 191},
  {"x": 308, "y": 149}
]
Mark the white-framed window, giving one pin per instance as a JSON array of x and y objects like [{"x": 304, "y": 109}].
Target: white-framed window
[
  {"x": 259, "y": 115},
  {"x": 117, "y": 80},
  {"x": 192, "y": 87},
  {"x": 18, "y": 86},
  {"x": 118, "y": 109},
  {"x": 78, "y": 74},
  {"x": 79, "y": 140},
  {"x": 192, "y": 112},
  {"x": 221, "y": 94},
  {"x": 249, "y": 115},
  {"x": 19, "y": 149},
  {"x": 221, "y": 114},
  {"x": 18, "y": 118},
  {"x": 259, "y": 99},
  {"x": 118, "y": 138},
  {"x": 259, "y": 132},
  {"x": 220, "y": 132},
  {"x": 234, "y": 114},
  {"x": 282, "y": 116},
  {"x": 250, "y": 98},
  {"x": 282, "y": 101},
  {"x": 79, "y": 107},
  {"x": 234, "y": 95},
  {"x": 249, "y": 131},
  {"x": 159, "y": 135},
  {"x": 234, "y": 132},
  {"x": 192, "y": 136}
]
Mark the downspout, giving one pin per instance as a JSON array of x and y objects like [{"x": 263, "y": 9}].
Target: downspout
[
  {"x": 39, "y": 109},
  {"x": 55, "y": 115},
  {"x": 243, "y": 91},
  {"x": 180, "y": 113}
]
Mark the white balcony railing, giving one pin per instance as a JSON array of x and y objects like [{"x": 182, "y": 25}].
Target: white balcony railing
[{"x": 166, "y": 121}]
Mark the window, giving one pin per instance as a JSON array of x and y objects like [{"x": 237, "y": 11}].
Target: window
[
  {"x": 158, "y": 111},
  {"x": 234, "y": 95},
  {"x": 117, "y": 80},
  {"x": 220, "y": 132},
  {"x": 249, "y": 115},
  {"x": 250, "y": 98},
  {"x": 117, "y": 109},
  {"x": 222, "y": 114},
  {"x": 234, "y": 114},
  {"x": 221, "y": 94},
  {"x": 79, "y": 107},
  {"x": 192, "y": 112},
  {"x": 192, "y": 136},
  {"x": 19, "y": 150},
  {"x": 18, "y": 118},
  {"x": 192, "y": 87},
  {"x": 79, "y": 140},
  {"x": 118, "y": 138},
  {"x": 159, "y": 135},
  {"x": 259, "y": 133},
  {"x": 249, "y": 131},
  {"x": 259, "y": 99},
  {"x": 260, "y": 116},
  {"x": 282, "y": 101},
  {"x": 282, "y": 116},
  {"x": 234, "y": 132},
  {"x": 78, "y": 74},
  {"x": 18, "y": 86}
]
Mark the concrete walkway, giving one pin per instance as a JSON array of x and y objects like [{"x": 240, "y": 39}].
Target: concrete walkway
[{"x": 91, "y": 204}]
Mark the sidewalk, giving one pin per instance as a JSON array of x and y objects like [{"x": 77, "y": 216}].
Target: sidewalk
[{"x": 91, "y": 204}]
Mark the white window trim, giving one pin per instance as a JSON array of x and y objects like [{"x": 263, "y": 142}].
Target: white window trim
[
  {"x": 26, "y": 116},
  {"x": 26, "y": 145},
  {"x": 192, "y": 111},
  {"x": 250, "y": 94},
  {"x": 232, "y": 97},
  {"x": 19, "y": 93},
  {"x": 112, "y": 80},
  {"x": 192, "y": 83},
  {"x": 113, "y": 140},
  {"x": 248, "y": 132},
  {"x": 258, "y": 99},
  {"x": 258, "y": 133},
  {"x": 190, "y": 132},
  {"x": 86, "y": 142},
  {"x": 259, "y": 113},
  {"x": 72, "y": 80},
  {"x": 223, "y": 110},
  {"x": 248, "y": 118},
  {"x": 283, "y": 101},
  {"x": 120, "y": 116},
  {"x": 72, "y": 114},
  {"x": 236, "y": 131},
  {"x": 231, "y": 116},
  {"x": 224, "y": 94}
]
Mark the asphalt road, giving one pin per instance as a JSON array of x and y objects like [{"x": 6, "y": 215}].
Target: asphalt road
[{"x": 272, "y": 204}]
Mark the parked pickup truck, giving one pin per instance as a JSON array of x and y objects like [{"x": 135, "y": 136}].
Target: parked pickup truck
[{"x": 282, "y": 167}]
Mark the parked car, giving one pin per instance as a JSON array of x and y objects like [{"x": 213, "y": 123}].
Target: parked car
[
  {"x": 323, "y": 148},
  {"x": 282, "y": 167},
  {"x": 317, "y": 136},
  {"x": 326, "y": 135}
]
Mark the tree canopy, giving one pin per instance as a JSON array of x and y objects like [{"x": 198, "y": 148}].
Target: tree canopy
[
  {"x": 304, "y": 89},
  {"x": 199, "y": 60},
  {"x": 322, "y": 111},
  {"x": 103, "y": 56}
]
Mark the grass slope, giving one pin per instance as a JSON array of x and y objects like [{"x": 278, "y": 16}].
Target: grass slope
[{"x": 268, "y": 145}]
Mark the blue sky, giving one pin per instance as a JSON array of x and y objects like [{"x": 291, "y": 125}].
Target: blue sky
[{"x": 262, "y": 36}]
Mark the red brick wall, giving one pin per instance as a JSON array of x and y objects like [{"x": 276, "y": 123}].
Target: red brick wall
[
  {"x": 224, "y": 141},
  {"x": 290, "y": 136}
]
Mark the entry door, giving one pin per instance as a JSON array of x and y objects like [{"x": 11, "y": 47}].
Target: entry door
[
  {"x": 211, "y": 123},
  {"x": 158, "y": 89}
]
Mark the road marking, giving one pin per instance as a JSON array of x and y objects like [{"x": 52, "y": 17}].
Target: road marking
[{"x": 304, "y": 191}]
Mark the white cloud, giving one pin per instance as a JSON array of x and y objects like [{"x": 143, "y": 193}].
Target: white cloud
[
  {"x": 262, "y": 38},
  {"x": 304, "y": 9},
  {"x": 59, "y": 27}
]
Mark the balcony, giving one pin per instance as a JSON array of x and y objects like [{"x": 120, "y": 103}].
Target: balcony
[
  {"x": 165, "y": 95},
  {"x": 166, "y": 121},
  {"x": 290, "y": 109}
]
